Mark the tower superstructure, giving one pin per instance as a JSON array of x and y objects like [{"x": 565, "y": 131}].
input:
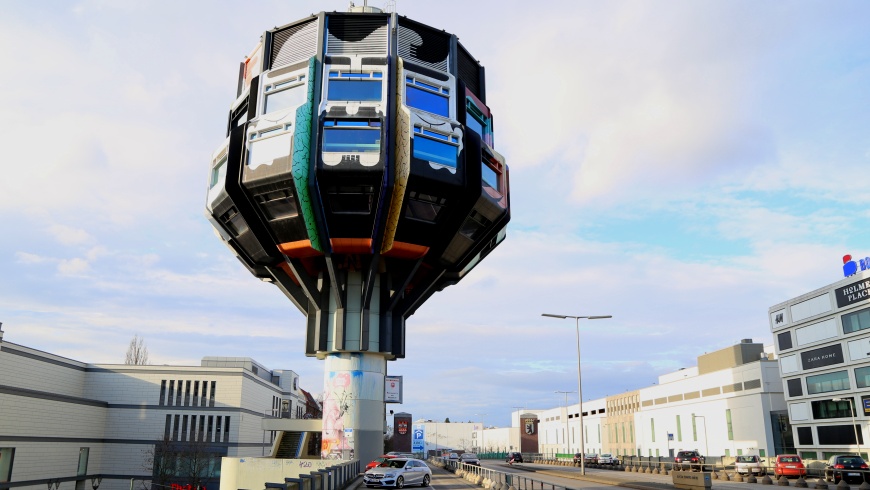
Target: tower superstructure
[{"x": 358, "y": 175}]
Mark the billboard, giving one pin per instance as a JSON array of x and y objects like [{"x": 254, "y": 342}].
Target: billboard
[{"x": 392, "y": 389}]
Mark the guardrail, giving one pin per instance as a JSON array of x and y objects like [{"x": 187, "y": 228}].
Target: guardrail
[
  {"x": 494, "y": 479},
  {"x": 335, "y": 477}
]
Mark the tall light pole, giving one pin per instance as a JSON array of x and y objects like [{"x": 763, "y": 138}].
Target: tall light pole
[
  {"x": 706, "y": 447},
  {"x": 852, "y": 412},
  {"x": 567, "y": 429},
  {"x": 483, "y": 423},
  {"x": 579, "y": 383}
]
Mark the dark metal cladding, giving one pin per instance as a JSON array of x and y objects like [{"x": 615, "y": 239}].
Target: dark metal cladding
[{"x": 359, "y": 173}]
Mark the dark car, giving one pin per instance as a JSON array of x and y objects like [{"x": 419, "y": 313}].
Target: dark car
[
  {"x": 846, "y": 467},
  {"x": 514, "y": 457},
  {"x": 578, "y": 457},
  {"x": 689, "y": 460},
  {"x": 469, "y": 458}
]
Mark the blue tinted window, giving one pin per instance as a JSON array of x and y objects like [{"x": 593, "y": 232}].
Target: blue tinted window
[
  {"x": 435, "y": 151},
  {"x": 341, "y": 140},
  {"x": 473, "y": 124},
  {"x": 490, "y": 177},
  {"x": 362, "y": 90},
  {"x": 427, "y": 101}
]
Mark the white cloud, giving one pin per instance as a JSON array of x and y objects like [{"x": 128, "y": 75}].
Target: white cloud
[
  {"x": 68, "y": 235},
  {"x": 73, "y": 267},
  {"x": 29, "y": 258}
]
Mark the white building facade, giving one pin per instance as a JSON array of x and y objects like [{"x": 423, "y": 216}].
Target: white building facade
[
  {"x": 70, "y": 423},
  {"x": 730, "y": 404},
  {"x": 822, "y": 339}
]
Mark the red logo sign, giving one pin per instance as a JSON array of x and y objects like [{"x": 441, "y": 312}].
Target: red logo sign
[{"x": 403, "y": 427}]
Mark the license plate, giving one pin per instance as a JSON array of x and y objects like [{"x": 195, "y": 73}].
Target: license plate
[
  {"x": 854, "y": 474},
  {"x": 790, "y": 466}
]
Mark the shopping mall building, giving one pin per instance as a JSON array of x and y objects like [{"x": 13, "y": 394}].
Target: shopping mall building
[
  {"x": 67, "y": 424},
  {"x": 822, "y": 339}
]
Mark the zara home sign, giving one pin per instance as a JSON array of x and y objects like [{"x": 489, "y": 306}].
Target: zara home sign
[{"x": 824, "y": 356}]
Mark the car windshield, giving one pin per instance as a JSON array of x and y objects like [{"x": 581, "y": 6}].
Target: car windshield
[
  {"x": 395, "y": 463},
  {"x": 745, "y": 459},
  {"x": 789, "y": 459},
  {"x": 468, "y": 456},
  {"x": 850, "y": 460},
  {"x": 605, "y": 455}
]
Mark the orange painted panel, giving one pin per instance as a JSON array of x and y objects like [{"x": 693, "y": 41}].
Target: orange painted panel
[
  {"x": 404, "y": 250},
  {"x": 299, "y": 249},
  {"x": 351, "y": 245}
]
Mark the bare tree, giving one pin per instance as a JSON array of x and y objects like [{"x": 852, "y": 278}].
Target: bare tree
[
  {"x": 161, "y": 461},
  {"x": 197, "y": 463},
  {"x": 137, "y": 352}
]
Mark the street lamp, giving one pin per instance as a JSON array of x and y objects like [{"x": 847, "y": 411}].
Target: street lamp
[
  {"x": 483, "y": 423},
  {"x": 706, "y": 447},
  {"x": 579, "y": 384},
  {"x": 851, "y": 412},
  {"x": 567, "y": 429}
]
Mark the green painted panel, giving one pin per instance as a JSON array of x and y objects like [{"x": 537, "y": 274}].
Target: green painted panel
[{"x": 302, "y": 160}]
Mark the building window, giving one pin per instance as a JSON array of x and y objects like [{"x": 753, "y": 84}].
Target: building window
[
  {"x": 829, "y": 409},
  {"x": 423, "y": 207},
  {"x": 761, "y": 452},
  {"x": 285, "y": 94},
  {"x": 355, "y": 136},
  {"x": 474, "y": 225},
  {"x": 171, "y": 392},
  {"x": 805, "y": 436},
  {"x": 195, "y": 393},
  {"x": 727, "y": 452},
  {"x": 278, "y": 204},
  {"x": 809, "y": 455},
  {"x": 477, "y": 120},
  {"x": 362, "y": 87},
  {"x": 187, "y": 393},
  {"x": 183, "y": 428},
  {"x": 823, "y": 383},
  {"x": 652, "y": 429},
  {"x": 7, "y": 455},
  {"x": 210, "y": 428},
  {"x": 679, "y": 430},
  {"x": 794, "y": 387},
  {"x": 784, "y": 340},
  {"x": 728, "y": 424},
  {"x": 427, "y": 97},
  {"x": 438, "y": 148},
  {"x": 162, "y": 391},
  {"x": 218, "y": 173},
  {"x": 204, "y": 399},
  {"x": 178, "y": 395},
  {"x": 175, "y": 427},
  {"x": 694, "y": 429},
  {"x": 855, "y": 321},
  {"x": 211, "y": 394},
  {"x": 227, "y": 428},
  {"x": 351, "y": 199},
  {"x": 839, "y": 434},
  {"x": 489, "y": 176}
]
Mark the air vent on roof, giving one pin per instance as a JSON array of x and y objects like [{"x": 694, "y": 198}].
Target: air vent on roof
[
  {"x": 356, "y": 35},
  {"x": 423, "y": 45},
  {"x": 294, "y": 44},
  {"x": 469, "y": 72}
]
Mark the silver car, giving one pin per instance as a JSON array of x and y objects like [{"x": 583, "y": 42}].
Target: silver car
[{"x": 398, "y": 472}]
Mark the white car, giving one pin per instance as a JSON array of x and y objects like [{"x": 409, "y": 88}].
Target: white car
[
  {"x": 750, "y": 464},
  {"x": 398, "y": 472},
  {"x": 607, "y": 458}
]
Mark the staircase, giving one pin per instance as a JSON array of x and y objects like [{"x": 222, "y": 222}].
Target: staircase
[{"x": 288, "y": 447}]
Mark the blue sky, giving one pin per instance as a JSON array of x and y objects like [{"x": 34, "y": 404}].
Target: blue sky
[{"x": 679, "y": 165}]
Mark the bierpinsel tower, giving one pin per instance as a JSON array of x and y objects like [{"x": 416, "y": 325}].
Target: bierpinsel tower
[{"x": 359, "y": 176}]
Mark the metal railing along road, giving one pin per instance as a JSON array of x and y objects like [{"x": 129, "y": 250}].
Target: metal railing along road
[{"x": 518, "y": 481}]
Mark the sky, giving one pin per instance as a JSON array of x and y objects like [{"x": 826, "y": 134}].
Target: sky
[{"x": 680, "y": 165}]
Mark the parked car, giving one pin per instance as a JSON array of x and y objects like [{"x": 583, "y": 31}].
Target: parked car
[
  {"x": 398, "y": 472},
  {"x": 608, "y": 459},
  {"x": 469, "y": 458},
  {"x": 749, "y": 465},
  {"x": 591, "y": 458},
  {"x": 516, "y": 457},
  {"x": 378, "y": 461},
  {"x": 577, "y": 457},
  {"x": 689, "y": 460},
  {"x": 847, "y": 467},
  {"x": 789, "y": 465},
  {"x": 454, "y": 457}
]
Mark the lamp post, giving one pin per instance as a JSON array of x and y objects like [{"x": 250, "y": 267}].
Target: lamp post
[
  {"x": 483, "y": 423},
  {"x": 579, "y": 383},
  {"x": 567, "y": 429},
  {"x": 851, "y": 412},
  {"x": 706, "y": 447}
]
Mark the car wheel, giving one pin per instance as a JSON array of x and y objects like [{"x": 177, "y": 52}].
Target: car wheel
[
  {"x": 426, "y": 481},
  {"x": 400, "y": 482}
]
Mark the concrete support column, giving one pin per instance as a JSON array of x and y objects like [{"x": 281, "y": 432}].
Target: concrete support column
[{"x": 353, "y": 406}]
